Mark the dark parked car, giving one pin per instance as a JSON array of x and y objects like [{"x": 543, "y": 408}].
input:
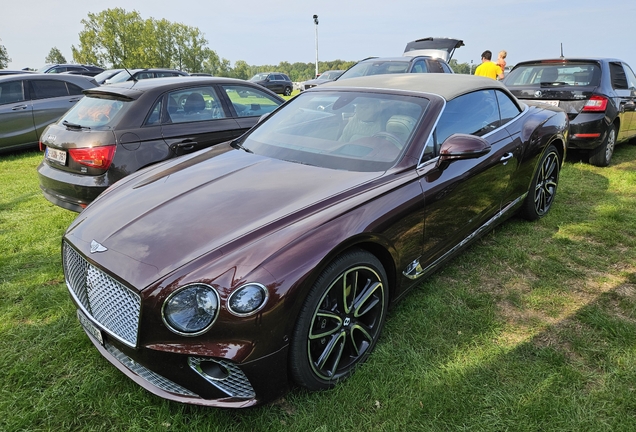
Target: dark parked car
[
  {"x": 599, "y": 95},
  {"x": 31, "y": 101},
  {"x": 141, "y": 74},
  {"x": 118, "y": 129},
  {"x": 275, "y": 81},
  {"x": 80, "y": 69},
  {"x": 220, "y": 277},
  {"x": 324, "y": 78},
  {"x": 427, "y": 55}
]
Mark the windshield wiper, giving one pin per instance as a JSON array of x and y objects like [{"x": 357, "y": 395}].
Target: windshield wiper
[
  {"x": 74, "y": 125},
  {"x": 238, "y": 145}
]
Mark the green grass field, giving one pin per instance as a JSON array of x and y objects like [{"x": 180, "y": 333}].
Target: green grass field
[{"x": 533, "y": 328}]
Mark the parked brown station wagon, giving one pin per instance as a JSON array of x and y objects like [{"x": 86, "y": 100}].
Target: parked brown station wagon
[
  {"x": 120, "y": 128},
  {"x": 220, "y": 277}
]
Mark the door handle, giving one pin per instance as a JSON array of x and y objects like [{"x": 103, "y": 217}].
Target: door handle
[
  {"x": 183, "y": 146},
  {"x": 506, "y": 157},
  {"x": 19, "y": 107}
]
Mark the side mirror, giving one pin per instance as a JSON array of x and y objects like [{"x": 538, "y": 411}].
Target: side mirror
[{"x": 461, "y": 146}]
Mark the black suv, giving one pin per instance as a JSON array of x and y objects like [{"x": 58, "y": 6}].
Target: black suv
[
  {"x": 599, "y": 95},
  {"x": 275, "y": 81}
]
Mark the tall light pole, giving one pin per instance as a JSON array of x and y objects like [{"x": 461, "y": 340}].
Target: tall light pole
[{"x": 316, "y": 23}]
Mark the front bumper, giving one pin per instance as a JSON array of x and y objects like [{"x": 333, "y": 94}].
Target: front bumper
[{"x": 176, "y": 376}]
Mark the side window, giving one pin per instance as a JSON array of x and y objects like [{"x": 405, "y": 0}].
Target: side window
[
  {"x": 619, "y": 79},
  {"x": 11, "y": 92},
  {"x": 194, "y": 104},
  {"x": 73, "y": 89},
  {"x": 44, "y": 89},
  {"x": 155, "y": 114},
  {"x": 474, "y": 113},
  {"x": 144, "y": 75},
  {"x": 507, "y": 108},
  {"x": 249, "y": 101},
  {"x": 434, "y": 66},
  {"x": 631, "y": 78},
  {"x": 419, "y": 67},
  {"x": 446, "y": 67}
]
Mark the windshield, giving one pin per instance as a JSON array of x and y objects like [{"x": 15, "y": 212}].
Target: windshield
[
  {"x": 376, "y": 67},
  {"x": 104, "y": 75},
  {"x": 259, "y": 77},
  {"x": 94, "y": 111},
  {"x": 554, "y": 74},
  {"x": 352, "y": 131}
]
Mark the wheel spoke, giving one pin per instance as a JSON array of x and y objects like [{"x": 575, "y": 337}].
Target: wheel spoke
[
  {"x": 367, "y": 301},
  {"x": 359, "y": 347},
  {"x": 325, "y": 323},
  {"x": 332, "y": 353}
]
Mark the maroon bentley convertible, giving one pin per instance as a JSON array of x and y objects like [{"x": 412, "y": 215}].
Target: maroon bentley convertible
[{"x": 222, "y": 277}]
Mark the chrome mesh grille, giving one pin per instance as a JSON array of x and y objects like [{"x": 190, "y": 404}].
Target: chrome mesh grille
[
  {"x": 145, "y": 373},
  {"x": 235, "y": 384},
  {"x": 107, "y": 301}
]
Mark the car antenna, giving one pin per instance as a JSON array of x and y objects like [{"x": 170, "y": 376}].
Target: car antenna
[
  {"x": 131, "y": 75},
  {"x": 562, "y": 51}
]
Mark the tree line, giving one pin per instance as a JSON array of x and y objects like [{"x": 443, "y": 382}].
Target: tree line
[{"x": 116, "y": 38}]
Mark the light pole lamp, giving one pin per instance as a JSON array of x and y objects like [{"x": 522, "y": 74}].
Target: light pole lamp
[{"x": 316, "y": 23}]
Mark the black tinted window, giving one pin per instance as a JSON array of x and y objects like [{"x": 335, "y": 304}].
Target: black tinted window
[
  {"x": 507, "y": 108},
  {"x": 619, "y": 79},
  {"x": 434, "y": 66},
  {"x": 475, "y": 113},
  {"x": 73, "y": 89},
  {"x": 11, "y": 92},
  {"x": 550, "y": 73},
  {"x": 44, "y": 89}
]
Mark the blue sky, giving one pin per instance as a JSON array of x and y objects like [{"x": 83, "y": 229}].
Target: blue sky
[{"x": 268, "y": 32}]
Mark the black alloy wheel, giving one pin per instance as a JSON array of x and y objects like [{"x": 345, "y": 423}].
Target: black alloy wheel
[
  {"x": 340, "y": 322},
  {"x": 287, "y": 91},
  {"x": 543, "y": 187}
]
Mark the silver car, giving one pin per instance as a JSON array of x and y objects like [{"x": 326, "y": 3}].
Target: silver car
[{"x": 30, "y": 102}]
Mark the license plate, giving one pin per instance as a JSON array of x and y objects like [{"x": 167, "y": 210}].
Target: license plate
[
  {"x": 54, "y": 155},
  {"x": 547, "y": 102},
  {"x": 89, "y": 327}
]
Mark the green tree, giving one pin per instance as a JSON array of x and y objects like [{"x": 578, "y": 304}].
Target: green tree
[
  {"x": 4, "y": 57},
  {"x": 55, "y": 57},
  {"x": 113, "y": 37},
  {"x": 459, "y": 68}
]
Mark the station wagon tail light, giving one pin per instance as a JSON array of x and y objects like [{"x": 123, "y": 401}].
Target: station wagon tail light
[
  {"x": 94, "y": 157},
  {"x": 595, "y": 104}
]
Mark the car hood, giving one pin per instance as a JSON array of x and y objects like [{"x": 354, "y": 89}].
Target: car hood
[
  {"x": 434, "y": 47},
  {"x": 167, "y": 216}
]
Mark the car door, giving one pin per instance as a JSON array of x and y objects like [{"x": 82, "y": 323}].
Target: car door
[
  {"x": 16, "y": 116},
  {"x": 51, "y": 99},
  {"x": 277, "y": 83},
  {"x": 630, "y": 105},
  {"x": 196, "y": 118},
  {"x": 467, "y": 194},
  {"x": 625, "y": 97}
]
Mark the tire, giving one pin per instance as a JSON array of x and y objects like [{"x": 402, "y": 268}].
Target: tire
[
  {"x": 602, "y": 155},
  {"x": 340, "y": 321},
  {"x": 287, "y": 91},
  {"x": 543, "y": 186}
]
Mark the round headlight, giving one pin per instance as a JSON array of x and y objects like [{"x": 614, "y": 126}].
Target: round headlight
[
  {"x": 191, "y": 310},
  {"x": 247, "y": 300}
]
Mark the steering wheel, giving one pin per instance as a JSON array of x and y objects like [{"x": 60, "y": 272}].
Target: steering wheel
[{"x": 389, "y": 137}]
